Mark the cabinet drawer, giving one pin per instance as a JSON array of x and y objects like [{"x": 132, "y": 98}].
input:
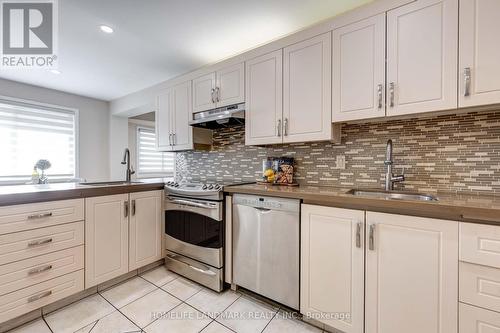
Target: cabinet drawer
[
  {"x": 480, "y": 286},
  {"x": 36, "y": 215},
  {"x": 25, "y": 273},
  {"x": 28, "y": 299},
  {"x": 31, "y": 243},
  {"x": 480, "y": 244},
  {"x": 477, "y": 320}
]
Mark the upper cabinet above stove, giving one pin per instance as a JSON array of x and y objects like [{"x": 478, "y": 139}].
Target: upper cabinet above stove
[{"x": 221, "y": 88}]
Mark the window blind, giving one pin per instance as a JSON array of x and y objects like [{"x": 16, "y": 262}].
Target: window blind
[
  {"x": 30, "y": 132},
  {"x": 151, "y": 162}
]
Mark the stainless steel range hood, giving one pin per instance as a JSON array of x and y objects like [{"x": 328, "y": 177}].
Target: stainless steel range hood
[{"x": 219, "y": 118}]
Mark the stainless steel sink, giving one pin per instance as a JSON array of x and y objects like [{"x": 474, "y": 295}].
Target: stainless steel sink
[
  {"x": 114, "y": 183},
  {"x": 393, "y": 195}
]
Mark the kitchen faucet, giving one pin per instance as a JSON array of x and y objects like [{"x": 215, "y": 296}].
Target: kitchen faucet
[
  {"x": 390, "y": 179},
  {"x": 126, "y": 160}
]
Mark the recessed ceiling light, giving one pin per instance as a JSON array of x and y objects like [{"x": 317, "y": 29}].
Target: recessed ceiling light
[
  {"x": 55, "y": 71},
  {"x": 106, "y": 28}
]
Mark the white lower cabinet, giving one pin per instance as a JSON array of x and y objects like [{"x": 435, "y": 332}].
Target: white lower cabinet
[
  {"x": 123, "y": 232},
  {"x": 478, "y": 320},
  {"x": 106, "y": 238},
  {"x": 145, "y": 228},
  {"x": 332, "y": 273},
  {"x": 409, "y": 282}
]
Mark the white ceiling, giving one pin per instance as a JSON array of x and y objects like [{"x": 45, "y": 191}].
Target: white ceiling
[{"x": 155, "y": 40}]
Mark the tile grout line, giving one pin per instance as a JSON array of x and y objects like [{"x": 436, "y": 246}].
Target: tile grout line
[
  {"x": 120, "y": 312},
  {"x": 95, "y": 323},
  {"x": 271, "y": 320},
  {"x": 46, "y": 323}
]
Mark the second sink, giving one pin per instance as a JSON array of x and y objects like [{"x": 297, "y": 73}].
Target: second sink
[{"x": 393, "y": 195}]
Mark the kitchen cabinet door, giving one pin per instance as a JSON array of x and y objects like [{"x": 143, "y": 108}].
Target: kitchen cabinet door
[
  {"x": 106, "y": 238},
  {"x": 478, "y": 320},
  {"x": 230, "y": 85},
  {"x": 145, "y": 228},
  {"x": 479, "y": 76},
  {"x": 359, "y": 70},
  {"x": 163, "y": 120},
  {"x": 332, "y": 266},
  {"x": 411, "y": 274},
  {"x": 307, "y": 107},
  {"x": 203, "y": 93},
  {"x": 422, "y": 52},
  {"x": 264, "y": 99},
  {"x": 181, "y": 115}
]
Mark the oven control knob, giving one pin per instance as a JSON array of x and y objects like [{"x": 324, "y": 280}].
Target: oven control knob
[
  {"x": 204, "y": 187},
  {"x": 217, "y": 186},
  {"x": 176, "y": 184},
  {"x": 211, "y": 187}
]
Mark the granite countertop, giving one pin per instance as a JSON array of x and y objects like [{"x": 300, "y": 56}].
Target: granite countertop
[
  {"x": 22, "y": 194},
  {"x": 450, "y": 206}
]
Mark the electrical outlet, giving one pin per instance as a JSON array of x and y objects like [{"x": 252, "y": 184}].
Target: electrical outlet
[{"x": 340, "y": 162}]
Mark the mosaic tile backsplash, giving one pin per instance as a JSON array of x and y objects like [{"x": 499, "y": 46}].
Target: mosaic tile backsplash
[{"x": 444, "y": 153}]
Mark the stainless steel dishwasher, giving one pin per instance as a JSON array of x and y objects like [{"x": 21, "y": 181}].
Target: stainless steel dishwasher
[{"x": 266, "y": 247}]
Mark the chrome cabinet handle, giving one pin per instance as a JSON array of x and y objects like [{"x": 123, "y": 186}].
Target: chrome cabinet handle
[
  {"x": 391, "y": 92},
  {"x": 40, "y": 242},
  {"x": 170, "y": 139},
  {"x": 379, "y": 94},
  {"x": 193, "y": 204},
  {"x": 285, "y": 125},
  {"x": 467, "y": 79},
  {"x": 217, "y": 94},
  {"x": 41, "y": 295},
  {"x": 39, "y": 216},
  {"x": 39, "y": 269},
  {"x": 212, "y": 94},
  {"x": 125, "y": 208},
  {"x": 279, "y": 127},
  {"x": 133, "y": 207},
  {"x": 358, "y": 235},
  {"x": 371, "y": 240}
]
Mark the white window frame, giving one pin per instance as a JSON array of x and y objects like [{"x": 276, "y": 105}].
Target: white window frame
[
  {"x": 53, "y": 107},
  {"x": 149, "y": 175}
]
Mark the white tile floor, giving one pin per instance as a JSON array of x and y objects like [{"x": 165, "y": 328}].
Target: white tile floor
[{"x": 161, "y": 301}]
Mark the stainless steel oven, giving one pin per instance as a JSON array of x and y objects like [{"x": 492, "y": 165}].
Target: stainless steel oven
[{"x": 194, "y": 236}]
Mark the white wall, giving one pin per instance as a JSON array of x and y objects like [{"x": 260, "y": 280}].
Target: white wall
[{"x": 94, "y": 124}]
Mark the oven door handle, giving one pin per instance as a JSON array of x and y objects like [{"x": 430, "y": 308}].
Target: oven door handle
[{"x": 193, "y": 203}]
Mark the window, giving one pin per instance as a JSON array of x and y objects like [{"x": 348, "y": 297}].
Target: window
[
  {"x": 150, "y": 162},
  {"x": 30, "y": 132}
]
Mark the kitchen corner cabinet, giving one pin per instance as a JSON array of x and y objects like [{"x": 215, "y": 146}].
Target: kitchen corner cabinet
[
  {"x": 173, "y": 112},
  {"x": 332, "y": 272},
  {"x": 359, "y": 70},
  {"x": 307, "y": 90},
  {"x": 145, "y": 228},
  {"x": 402, "y": 270},
  {"x": 218, "y": 89},
  {"x": 411, "y": 274},
  {"x": 264, "y": 99},
  {"x": 479, "y": 76},
  {"x": 122, "y": 232},
  {"x": 422, "y": 52},
  {"x": 106, "y": 238}
]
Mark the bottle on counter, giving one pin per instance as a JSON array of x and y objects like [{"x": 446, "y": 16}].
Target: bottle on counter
[{"x": 35, "y": 176}]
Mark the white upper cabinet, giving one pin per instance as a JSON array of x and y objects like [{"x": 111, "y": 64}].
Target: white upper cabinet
[
  {"x": 422, "y": 52},
  {"x": 221, "y": 88},
  {"x": 204, "y": 93},
  {"x": 181, "y": 107},
  {"x": 230, "y": 87},
  {"x": 332, "y": 266},
  {"x": 359, "y": 70},
  {"x": 172, "y": 118},
  {"x": 411, "y": 274},
  {"x": 307, "y": 95},
  {"x": 263, "y": 103},
  {"x": 479, "y": 65}
]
